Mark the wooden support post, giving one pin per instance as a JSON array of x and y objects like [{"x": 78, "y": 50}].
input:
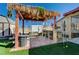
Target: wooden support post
[
  {"x": 17, "y": 31},
  {"x": 54, "y": 31},
  {"x": 54, "y": 22},
  {"x": 22, "y": 26}
]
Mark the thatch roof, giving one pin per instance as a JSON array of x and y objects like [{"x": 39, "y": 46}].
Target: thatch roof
[{"x": 33, "y": 13}]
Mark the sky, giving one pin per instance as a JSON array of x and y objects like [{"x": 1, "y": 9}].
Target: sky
[{"x": 59, "y": 7}]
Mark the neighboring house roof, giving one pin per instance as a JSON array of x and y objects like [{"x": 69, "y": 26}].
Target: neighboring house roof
[
  {"x": 60, "y": 19},
  {"x": 6, "y": 20},
  {"x": 26, "y": 30},
  {"x": 37, "y": 28},
  {"x": 72, "y": 11},
  {"x": 49, "y": 28},
  {"x": 68, "y": 13}
]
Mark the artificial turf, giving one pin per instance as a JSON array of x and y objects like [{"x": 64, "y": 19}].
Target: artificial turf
[
  {"x": 5, "y": 42},
  {"x": 67, "y": 48},
  {"x": 6, "y": 51},
  {"x": 5, "y": 47},
  {"x": 54, "y": 49}
]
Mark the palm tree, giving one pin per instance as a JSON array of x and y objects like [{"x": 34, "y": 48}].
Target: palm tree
[
  {"x": 40, "y": 12},
  {"x": 10, "y": 8},
  {"x": 9, "y": 13}
]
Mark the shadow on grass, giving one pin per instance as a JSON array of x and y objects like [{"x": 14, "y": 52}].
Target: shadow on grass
[
  {"x": 10, "y": 45},
  {"x": 6, "y": 43}
]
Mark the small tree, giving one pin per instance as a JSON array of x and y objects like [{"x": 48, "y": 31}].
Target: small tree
[
  {"x": 10, "y": 8},
  {"x": 40, "y": 11},
  {"x": 9, "y": 13}
]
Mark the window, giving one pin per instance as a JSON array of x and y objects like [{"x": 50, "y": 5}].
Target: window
[{"x": 75, "y": 23}]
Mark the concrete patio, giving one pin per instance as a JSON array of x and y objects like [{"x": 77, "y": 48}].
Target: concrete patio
[
  {"x": 74, "y": 40},
  {"x": 40, "y": 41}
]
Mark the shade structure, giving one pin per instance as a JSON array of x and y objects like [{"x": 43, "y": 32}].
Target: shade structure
[
  {"x": 33, "y": 13},
  {"x": 29, "y": 13}
]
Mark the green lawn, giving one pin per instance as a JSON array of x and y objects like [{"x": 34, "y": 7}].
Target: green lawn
[
  {"x": 56, "y": 49},
  {"x": 6, "y": 42},
  {"x": 6, "y": 51},
  {"x": 5, "y": 47},
  {"x": 53, "y": 49}
]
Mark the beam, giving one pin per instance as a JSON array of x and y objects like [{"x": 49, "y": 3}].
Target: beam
[{"x": 17, "y": 31}]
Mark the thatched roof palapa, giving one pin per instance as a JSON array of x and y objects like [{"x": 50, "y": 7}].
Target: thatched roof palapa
[{"x": 33, "y": 13}]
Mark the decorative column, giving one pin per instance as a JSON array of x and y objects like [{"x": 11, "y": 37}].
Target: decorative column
[
  {"x": 70, "y": 28},
  {"x": 22, "y": 26},
  {"x": 17, "y": 31}
]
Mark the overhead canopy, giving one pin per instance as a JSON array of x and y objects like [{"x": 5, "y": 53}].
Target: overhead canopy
[
  {"x": 29, "y": 13},
  {"x": 32, "y": 13}
]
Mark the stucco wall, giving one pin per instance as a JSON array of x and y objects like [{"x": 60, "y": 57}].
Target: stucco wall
[{"x": 68, "y": 22}]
